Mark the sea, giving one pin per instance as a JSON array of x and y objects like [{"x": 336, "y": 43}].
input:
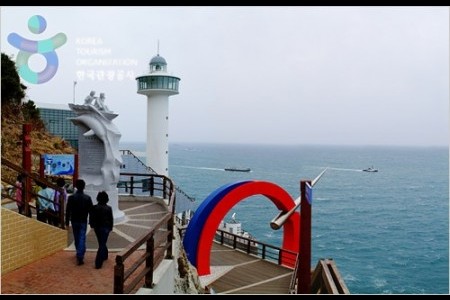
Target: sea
[{"x": 387, "y": 231}]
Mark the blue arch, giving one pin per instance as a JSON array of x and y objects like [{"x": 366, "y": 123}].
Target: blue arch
[{"x": 195, "y": 227}]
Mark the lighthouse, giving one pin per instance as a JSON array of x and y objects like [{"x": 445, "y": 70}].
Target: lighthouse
[{"x": 158, "y": 85}]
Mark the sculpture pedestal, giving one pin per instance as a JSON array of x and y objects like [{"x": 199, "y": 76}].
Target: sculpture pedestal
[{"x": 118, "y": 215}]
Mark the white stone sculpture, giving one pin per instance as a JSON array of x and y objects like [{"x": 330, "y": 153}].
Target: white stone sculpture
[
  {"x": 100, "y": 103},
  {"x": 90, "y": 98},
  {"x": 99, "y": 158}
]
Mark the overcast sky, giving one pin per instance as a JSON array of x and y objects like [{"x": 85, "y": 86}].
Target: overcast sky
[{"x": 274, "y": 75}]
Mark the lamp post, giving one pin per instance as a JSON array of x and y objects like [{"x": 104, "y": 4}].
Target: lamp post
[{"x": 74, "y": 84}]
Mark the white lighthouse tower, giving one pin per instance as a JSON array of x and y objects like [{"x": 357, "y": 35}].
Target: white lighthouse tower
[{"x": 158, "y": 85}]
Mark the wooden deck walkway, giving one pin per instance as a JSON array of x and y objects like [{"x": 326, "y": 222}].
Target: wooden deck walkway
[{"x": 235, "y": 272}]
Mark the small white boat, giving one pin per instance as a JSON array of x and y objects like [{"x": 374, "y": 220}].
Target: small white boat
[{"x": 242, "y": 237}]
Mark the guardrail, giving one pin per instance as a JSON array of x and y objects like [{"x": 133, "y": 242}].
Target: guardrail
[
  {"x": 28, "y": 192},
  {"x": 147, "y": 168},
  {"x": 147, "y": 184},
  {"x": 184, "y": 201},
  {"x": 293, "y": 283},
  {"x": 250, "y": 246},
  {"x": 326, "y": 279},
  {"x": 158, "y": 242}
]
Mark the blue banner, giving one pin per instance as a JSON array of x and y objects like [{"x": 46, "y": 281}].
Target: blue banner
[{"x": 59, "y": 164}]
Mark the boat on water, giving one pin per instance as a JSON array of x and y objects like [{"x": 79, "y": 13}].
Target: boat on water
[
  {"x": 232, "y": 169},
  {"x": 231, "y": 233},
  {"x": 370, "y": 169}
]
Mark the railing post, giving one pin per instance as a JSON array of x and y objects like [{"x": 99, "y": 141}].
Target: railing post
[
  {"x": 173, "y": 194},
  {"x": 149, "y": 262},
  {"x": 280, "y": 255},
  {"x": 61, "y": 210},
  {"x": 169, "y": 238},
  {"x": 26, "y": 165},
  {"x": 248, "y": 246},
  {"x": 26, "y": 187},
  {"x": 221, "y": 237},
  {"x": 132, "y": 185},
  {"x": 152, "y": 186},
  {"x": 234, "y": 242},
  {"x": 264, "y": 251},
  {"x": 42, "y": 166},
  {"x": 164, "y": 187},
  {"x": 75, "y": 172},
  {"x": 172, "y": 189},
  {"x": 119, "y": 274},
  {"x": 304, "y": 270}
]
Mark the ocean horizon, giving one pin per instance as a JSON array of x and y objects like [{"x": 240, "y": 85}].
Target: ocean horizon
[{"x": 388, "y": 231}]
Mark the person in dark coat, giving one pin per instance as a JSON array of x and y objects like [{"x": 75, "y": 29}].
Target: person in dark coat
[
  {"x": 79, "y": 206},
  {"x": 101, "y": 220}
]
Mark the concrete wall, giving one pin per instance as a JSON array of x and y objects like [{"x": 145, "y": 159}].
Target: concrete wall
[
  {"x": 167, "y": 278},
  {"x": 25, "y": 240},
  {"x": 163, "y": 279}
]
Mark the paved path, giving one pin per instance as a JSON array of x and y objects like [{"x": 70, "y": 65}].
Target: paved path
[
  {"x": 140, "y": 216},
  {"x": 59, "y": 273}
]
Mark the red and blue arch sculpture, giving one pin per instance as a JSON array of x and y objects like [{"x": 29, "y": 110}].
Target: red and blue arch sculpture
[{"x": 200, "y": 232}]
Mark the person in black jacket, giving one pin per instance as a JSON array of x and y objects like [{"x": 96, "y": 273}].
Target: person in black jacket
[
  {"x": 101, "y": 220},
  {"x": 78, "y": 208}
]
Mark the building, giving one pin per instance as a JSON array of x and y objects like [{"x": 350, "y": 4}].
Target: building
[{"x": 56, "y": 121}]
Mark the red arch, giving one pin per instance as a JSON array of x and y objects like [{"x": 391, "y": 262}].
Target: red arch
[{"x": 276, "y": 194}]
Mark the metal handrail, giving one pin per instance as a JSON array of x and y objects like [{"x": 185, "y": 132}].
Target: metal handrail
[
  {"x": 151, "y": 171},
  {"x": 326, "y": 279},
  {"x": 262, "y": 250},
  {"x": 129, "y": 152},
  {"x": 27, "y": 191},
  {"x": 294, "y": 279}
]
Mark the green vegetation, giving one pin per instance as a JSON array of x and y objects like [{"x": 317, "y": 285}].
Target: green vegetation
[
  {"x": 14, "y": 113},
  {"x": 12, "y": 90}
]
